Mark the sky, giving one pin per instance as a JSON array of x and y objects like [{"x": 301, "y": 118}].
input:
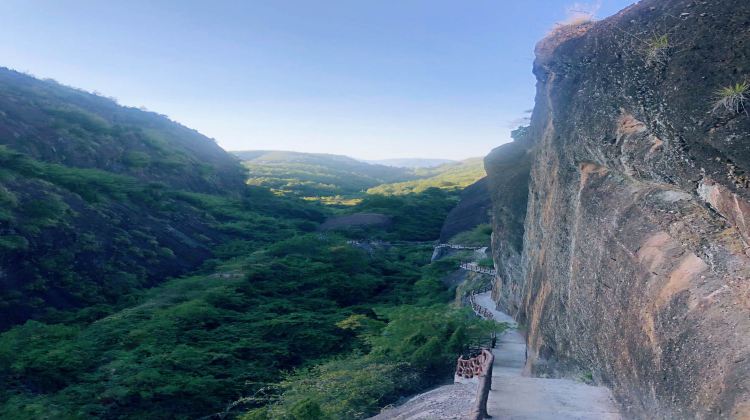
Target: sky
[{"x": 371, "y": 79}]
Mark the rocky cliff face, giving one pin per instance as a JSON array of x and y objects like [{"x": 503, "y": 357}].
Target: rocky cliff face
[
  {"x": 508, "y": 168},
  {"x": 635, "y": 259}
]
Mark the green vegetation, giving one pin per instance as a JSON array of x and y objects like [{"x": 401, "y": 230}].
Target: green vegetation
[
  {"x": 194, "y": 344},
  {"x": 90, "y": 214},
  {"x": 415, "y": 349},
  {"x": 587, "y": 377},
  {"x": 731, "y": 99},
  {"x": 486, "y": 263},
  {"x": 362, "y": 329},
  {"x": 479, "y": 236},
  {"x": 317, "y": 176},
  {"x": 335, "y": 200},
  {"x": 143, "y": 278},
  {"x": 342, "y": 181},
  {"x": 90, "y": 200},
  {"x": 91, "y": 184},
  {"x": 657, "y": 50},
  {"x": 417, "y": 207},
  {"x": 451, "y": 176},
  {"x": 58, "y": 124},
  {"x": 416, "y": 217}
]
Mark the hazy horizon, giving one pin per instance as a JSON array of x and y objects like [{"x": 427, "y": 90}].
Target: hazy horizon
[
  {"x": 355, "y": 157},
  {"x": 438, "y": 80}
]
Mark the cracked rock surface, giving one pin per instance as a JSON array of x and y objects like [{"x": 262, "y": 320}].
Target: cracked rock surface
[{"x": 634, "y": 265}]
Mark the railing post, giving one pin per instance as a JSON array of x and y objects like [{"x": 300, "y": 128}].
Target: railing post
[{"x": 479, "y": 411}]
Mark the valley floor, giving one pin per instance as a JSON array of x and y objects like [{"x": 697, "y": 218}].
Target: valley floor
[{"x": 513, "y": 395}]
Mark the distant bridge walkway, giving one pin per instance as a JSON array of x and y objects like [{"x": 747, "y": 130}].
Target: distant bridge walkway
[{"x": 469, "y": 266}]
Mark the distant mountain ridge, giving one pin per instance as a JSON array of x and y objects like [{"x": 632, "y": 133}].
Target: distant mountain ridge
[
  {"x": 411, "y": 162},
  {"x": 317, "y": 174},
  {"x": 278, "y": 156}
]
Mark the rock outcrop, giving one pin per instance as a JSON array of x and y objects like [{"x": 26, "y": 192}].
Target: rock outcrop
[
  {"x": 634, "y": 264},
  {"x": 508, "y": 168},
  {"x": 471, "y": 211}
]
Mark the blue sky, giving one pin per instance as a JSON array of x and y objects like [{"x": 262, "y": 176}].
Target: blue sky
[{"x": 366, "y": 78}]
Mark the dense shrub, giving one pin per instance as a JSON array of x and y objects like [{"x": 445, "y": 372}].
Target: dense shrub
[
  {"x": 413, "y": 348},
  {"x": 478, "y": 236},
  {"x": 416, "y": 217},
  {"x": 194, "y": 344}
]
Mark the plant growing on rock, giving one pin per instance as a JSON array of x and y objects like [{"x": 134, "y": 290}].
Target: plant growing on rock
[
  {"x": 731, "y": 99},
  {"x": 657, "y": 50}
]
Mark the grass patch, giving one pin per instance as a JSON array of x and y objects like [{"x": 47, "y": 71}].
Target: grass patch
[
  {"x": 731, "y": 99},
  {"x": 335, "y": 200},
  {"x": 657, "y": 50}
]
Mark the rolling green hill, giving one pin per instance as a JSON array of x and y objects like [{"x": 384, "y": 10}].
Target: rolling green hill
[
  {"x": 411, "y": 162},
  {"x": 449, "y": 176},
  {"x": 415, "y": 206},
  {"x": 317, "y": 175},
  {"x": 322, "y": 175},
  {"x": 100, "y": 200},
  {"x": 57, "y": 124}
]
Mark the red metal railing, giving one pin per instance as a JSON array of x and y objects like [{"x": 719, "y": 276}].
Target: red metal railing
[{"x": 479, "y": 366}]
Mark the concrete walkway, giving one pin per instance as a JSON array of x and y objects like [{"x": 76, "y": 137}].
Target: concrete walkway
[{"x": 514, "y": 396}]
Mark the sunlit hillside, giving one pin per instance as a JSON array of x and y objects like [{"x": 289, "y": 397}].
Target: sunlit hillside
[
  {"x": 449, "y": 176},
  {"x": 317, "y": 175}
]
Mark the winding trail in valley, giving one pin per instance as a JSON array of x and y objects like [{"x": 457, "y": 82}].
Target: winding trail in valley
[{"x": 513, "y": 395}]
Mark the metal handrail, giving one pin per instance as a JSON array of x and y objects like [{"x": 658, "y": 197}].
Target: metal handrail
[{"x": 479, "y": 366}]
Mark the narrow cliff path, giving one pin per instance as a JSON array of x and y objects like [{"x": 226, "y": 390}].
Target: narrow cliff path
[{"x": 514, "y": 396}]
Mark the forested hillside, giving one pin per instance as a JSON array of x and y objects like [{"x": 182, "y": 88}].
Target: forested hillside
[
  {"x": 100, "y": 200},
  {"x": 196, "y": 344},
  {"x": 452, "y": 176},
  {"x": 58, "y": 124},
  {"x": 140, "y": 277},
  {"x": 316, "y": 175},
  {"x": 416, "y": 208}
]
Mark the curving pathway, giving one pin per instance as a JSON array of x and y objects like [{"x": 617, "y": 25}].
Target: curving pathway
[{"x": 515, "y": 396}]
